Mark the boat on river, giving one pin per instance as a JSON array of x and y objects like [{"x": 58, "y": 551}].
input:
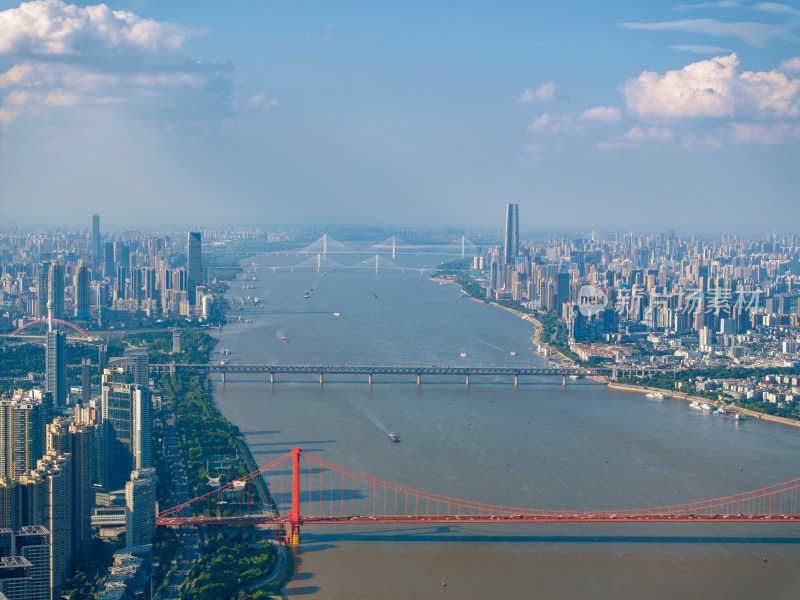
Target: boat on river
[{"x": 393, "y": 437}]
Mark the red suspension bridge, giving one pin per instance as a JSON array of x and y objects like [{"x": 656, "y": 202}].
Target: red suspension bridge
[{"x": 304, "y": 489}]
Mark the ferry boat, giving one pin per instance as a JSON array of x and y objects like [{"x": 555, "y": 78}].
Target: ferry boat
[
  {"x": 656, "y": 395},
  {"x": 284, "y": 340},
  {"x": 393, "y": 437},
  {"x": 463, "y": 355},
  {"x": 513, "y": 353}
]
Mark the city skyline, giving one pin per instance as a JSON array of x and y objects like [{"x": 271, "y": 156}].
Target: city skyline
[{"x": 604, "y": 118}]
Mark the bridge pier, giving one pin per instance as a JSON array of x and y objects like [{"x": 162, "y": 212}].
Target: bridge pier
[
  {"x": 272, "y": 380},
  {"x": 516, "y": 381},
  {"x": 564, "y": 381},
  {"x": 370, "y": 380},
  {"x": 320, "y": 380},
  {"x": 419, "y": 380},
  {"x": 467, "y": 380},
  {"x": 223, "y": 378}
]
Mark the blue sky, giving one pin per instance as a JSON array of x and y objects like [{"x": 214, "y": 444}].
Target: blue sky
[{"x": 606, "y": 116}]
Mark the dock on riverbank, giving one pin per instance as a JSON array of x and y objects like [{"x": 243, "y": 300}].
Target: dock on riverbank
[{"x": 752, "y": 414}]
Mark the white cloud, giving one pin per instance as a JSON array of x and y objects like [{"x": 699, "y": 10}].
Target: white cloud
[
  {"x": 601, "y": 113},
  {"x": 70, "y": 56},
  {"x": 721, "y": 4},
  {"x": 661, "y": 134},
  {"x": 545, "y": 93},
  {"x": 259, "y": 102},
  {"x": 792, "y": 65},
  {"x": 713, "y": 89},
  {"x": 752, "y": 33},
  {"x": 540, "y": 123},
  {"x": 759, "y": 133},
  {"x": 548, "y": 123},
  {"x": 55, "y": 28},
  {"x": 701, "y": 49},
  {"x": 775, "y": 8}
]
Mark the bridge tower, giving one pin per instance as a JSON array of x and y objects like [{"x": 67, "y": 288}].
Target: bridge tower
[{"x": 293, "y": 527}]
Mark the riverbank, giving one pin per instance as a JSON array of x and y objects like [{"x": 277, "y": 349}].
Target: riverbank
[
  {"x": 536, "y": 338},
  {"x": 641, "y": 389}
]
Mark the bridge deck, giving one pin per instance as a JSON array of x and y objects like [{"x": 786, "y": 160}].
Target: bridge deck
[{"x": 377, "y": 369}]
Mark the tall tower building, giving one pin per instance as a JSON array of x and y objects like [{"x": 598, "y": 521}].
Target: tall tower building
[
  {"x": 81, "y": 283},
  {"x": 108, "y": 259},
  {"x": 65, "y": 437},
  {"x": 127, "y": 427},
  {"x": 33, "y": 544},
  {"x": 511, "y": 240},
  {"x": 55, "y": 358},
  {"x": 22, "y": 435},
  {"x": 96, "y": 255},
  {"x": 140, "y": 508},
  {"x": 194, "y": 266},
  {"x": 55, "y": 290},
  {"x": 56, "y": 471},
  {"x": 41, "y": 289}
]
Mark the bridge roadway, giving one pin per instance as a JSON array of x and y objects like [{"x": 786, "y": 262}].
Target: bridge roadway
[
  {"x": 371, "y": 370},
  {"x": 267, "y": 519}
]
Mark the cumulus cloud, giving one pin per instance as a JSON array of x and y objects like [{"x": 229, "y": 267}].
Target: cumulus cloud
[
  {"x": 54, "y": 28},
  {"x": 545, "y": 93},
  {"x": 752, "y": 33},
  {"x": 70, "y": 56},
  {"x": 791, "y": 65},
  {"x": 602, "y": 113},
  {"x": 713, "y": 89}
]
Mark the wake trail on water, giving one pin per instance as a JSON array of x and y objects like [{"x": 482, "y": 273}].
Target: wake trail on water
[{"x": 371, "y": 416}]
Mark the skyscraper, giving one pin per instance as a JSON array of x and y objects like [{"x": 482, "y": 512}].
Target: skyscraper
[
  {"x": 41, "y": 289},
  {"x": 55, "y": 290},
  {"x": 55, "y": 358},
  {"x": 33, "y": 543},
  {"x": 22, "y": 430},
  {"x": 511, "y": 240},
  {"x": 140, "y": 508},
  {"x": 56, "y": 472},
  {"x": 127, "y": 427},
  {"x": 81, "y": 283},
  {"x": 194, "y": 266},
  {"x": 65, "y": 437},
  {"x": 96, "y": 256}
]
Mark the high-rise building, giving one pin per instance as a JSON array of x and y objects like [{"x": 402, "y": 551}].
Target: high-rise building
[
  {"x": 86, "y": 380},
  {"x": 65, "y": 437},
  {"x": 33, "y": 544},
  {"x": 96, "y": 256},
  {"x": 56, "y": 471},
  {"x": 511, "y": 240},
  {"x": 22, "y": 434},
  {"x": 81, "y": 284},
  {"x": 10, "y": 504},
  {"x": 108, "y": 259},
  {"x": 55, "y": 290},
  {"x": 56, "y": 367},
  {"x": 194, "y": 266},
  {"x": 127, "y": 427},
  {"x": 140, "y": 508},
  {"x": 15, "y": 575},
  {"x": 41, "y": 289}
]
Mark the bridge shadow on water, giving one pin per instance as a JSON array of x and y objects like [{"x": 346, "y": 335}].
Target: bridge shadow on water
[{"x": 312, "y": 541}]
